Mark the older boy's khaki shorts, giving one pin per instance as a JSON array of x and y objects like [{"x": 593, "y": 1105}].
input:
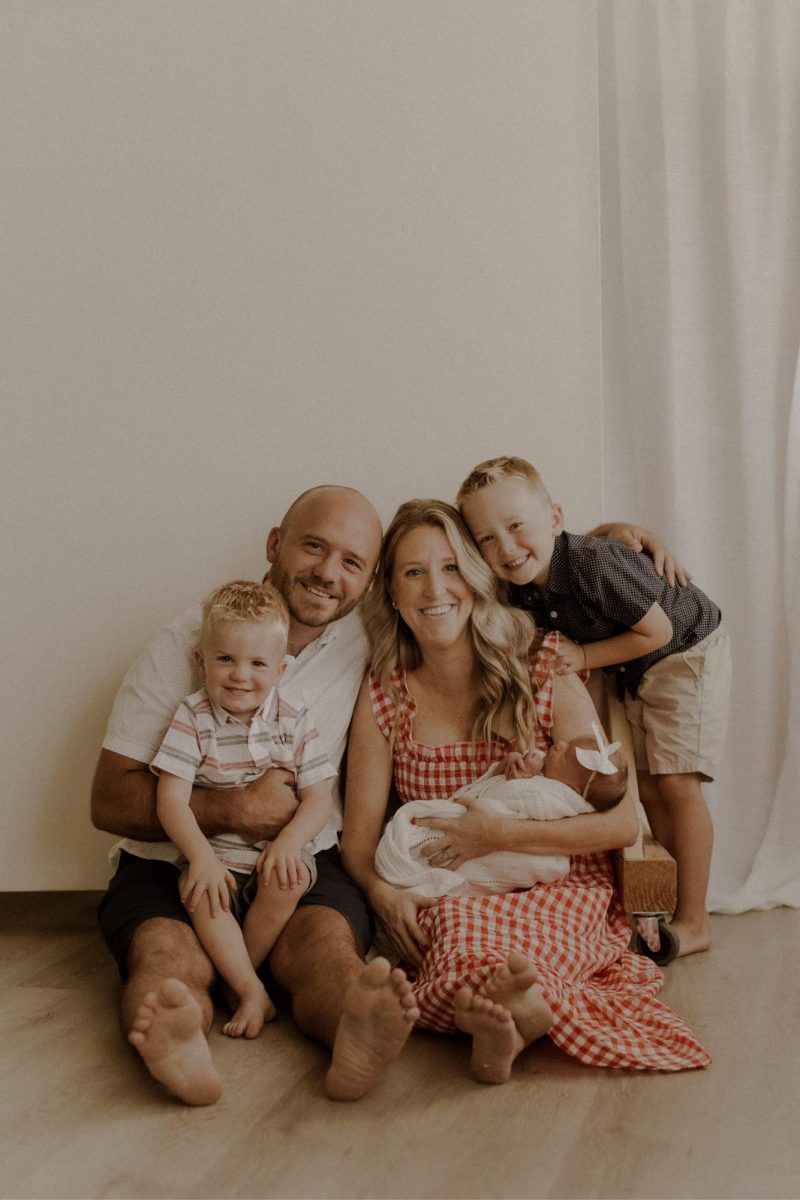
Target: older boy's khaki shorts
[{"x": 679, "y": 715}]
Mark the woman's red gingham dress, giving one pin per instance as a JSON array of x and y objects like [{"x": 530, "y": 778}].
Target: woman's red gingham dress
[{"x": 574, "y": 930}]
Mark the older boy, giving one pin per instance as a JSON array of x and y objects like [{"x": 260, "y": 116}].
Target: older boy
[{"x": 666, "y": 645}]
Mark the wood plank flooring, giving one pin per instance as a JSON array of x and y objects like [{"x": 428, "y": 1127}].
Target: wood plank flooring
[{"x": 81, "y": 1119}]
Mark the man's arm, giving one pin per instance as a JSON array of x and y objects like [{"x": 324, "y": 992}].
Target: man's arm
[
  {"x": 124, "y": 803},
  {"x": 640, "y": 539}
]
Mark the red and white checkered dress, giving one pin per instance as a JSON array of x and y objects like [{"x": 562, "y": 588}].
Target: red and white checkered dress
[{"x": 574, "y": 930}]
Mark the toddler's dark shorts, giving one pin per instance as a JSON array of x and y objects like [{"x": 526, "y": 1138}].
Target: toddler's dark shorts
[{"x": 145, "y": 888}]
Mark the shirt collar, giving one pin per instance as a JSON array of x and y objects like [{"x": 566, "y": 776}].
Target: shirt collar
[{"x": 265, "y": 713}]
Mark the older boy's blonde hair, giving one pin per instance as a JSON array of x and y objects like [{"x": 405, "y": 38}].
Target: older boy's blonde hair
[
  {"x": 501, "y": 468},
  {"x": 245, "y": 600}
]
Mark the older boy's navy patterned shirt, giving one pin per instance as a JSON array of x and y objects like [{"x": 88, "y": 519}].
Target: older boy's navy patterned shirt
[{"x": 598, "y": 588}]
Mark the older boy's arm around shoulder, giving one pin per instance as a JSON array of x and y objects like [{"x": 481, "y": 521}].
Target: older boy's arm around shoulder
[
  {"x": 639, "y": 539},
  {"x": 124, "y": 803}
]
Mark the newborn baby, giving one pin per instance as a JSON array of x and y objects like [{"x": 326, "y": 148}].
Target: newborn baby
[{"x": 581, "y": 776}]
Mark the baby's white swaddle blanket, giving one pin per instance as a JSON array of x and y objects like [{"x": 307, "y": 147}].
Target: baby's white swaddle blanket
[{"x": 399, "y": 859}]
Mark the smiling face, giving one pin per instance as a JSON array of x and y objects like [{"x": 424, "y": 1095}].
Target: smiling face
[
  {"x": 242, "y": 662},
  {"x": 514, "y": 526},
  {"x": 428, "y": 590},
  {"x": 323, "y": 557}
]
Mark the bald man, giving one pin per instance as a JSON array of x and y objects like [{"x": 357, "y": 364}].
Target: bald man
[{"x": 322, "y": 558}]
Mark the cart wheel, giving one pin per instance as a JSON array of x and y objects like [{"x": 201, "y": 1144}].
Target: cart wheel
[{"x": 668, "y": 945}]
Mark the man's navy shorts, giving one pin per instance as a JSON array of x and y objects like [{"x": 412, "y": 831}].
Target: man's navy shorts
[{"x": 145, "y": 888}]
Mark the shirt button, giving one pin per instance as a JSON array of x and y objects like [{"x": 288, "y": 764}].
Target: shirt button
[
  {"x": 622, "y": 670},
  {"x": 554, "y": 615}
]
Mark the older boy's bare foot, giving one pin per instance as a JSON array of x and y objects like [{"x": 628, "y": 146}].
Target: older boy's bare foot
[
  {"x": 379, "y": 1013},
  {"x": 693, "y": 937},
  {"x": 248, "y": 1020},
  {"x": 496, "y": 1042},
  {"x": 515, "y": 986},
  {"x": 167, "y": 1032}
]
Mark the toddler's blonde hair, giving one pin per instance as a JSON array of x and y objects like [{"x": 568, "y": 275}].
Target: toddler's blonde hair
[{"x": 245, "y": 600}]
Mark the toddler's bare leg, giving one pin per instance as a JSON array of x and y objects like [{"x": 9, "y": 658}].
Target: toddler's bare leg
[
  {"x": 267, "y": 916},
  {"x": 691, "y": 841},
  {"x": 222, "y": 940}
]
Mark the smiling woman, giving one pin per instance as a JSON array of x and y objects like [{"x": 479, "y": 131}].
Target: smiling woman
[{"x": 458, "y": 682}]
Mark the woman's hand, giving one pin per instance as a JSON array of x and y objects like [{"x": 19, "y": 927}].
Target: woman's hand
[
  {"x": 465, "y": 837},
  {"x": 397, "y": 912}
]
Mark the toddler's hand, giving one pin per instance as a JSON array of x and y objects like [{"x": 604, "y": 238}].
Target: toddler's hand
[
  {"x": 283, "y": 857},
  {"x": 570, "y": 657},
  {"x": 208, "y": 875},
  {"x": 523, "y": 766}
]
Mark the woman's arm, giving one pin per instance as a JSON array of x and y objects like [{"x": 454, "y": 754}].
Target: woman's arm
[
  {"x": 477, "y": 833},
  {"x": 369, "y": 777}
]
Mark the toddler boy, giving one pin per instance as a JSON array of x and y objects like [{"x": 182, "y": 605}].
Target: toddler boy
[
  {"x": 224, "y": 736},
  {"x": 665, "y": 644}
]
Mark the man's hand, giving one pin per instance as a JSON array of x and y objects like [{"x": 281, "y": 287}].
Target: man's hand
[
  {"x": 206, "y": 874},
  {"x": 261, "y": 810},
  {"x": 570, "y": 657},
  {"x": 640, "y": 539}
]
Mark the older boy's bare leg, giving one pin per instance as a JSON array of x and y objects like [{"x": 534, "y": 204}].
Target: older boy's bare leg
[
  {"x": 166, "y": 1009},
  {"x": 364, "y": 1013},
  {"x": 691, "y": 845}
]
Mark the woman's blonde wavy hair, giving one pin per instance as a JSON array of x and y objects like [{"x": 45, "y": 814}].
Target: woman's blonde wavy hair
[{"x": 501, "y": 636}]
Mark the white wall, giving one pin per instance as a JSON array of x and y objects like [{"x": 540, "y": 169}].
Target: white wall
[{"x": 252, "y": 247}]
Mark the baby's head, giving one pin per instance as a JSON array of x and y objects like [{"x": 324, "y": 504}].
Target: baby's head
[
  {"x": 603, "y": 791},
  {"x": 512, "y": 519},
  {"x": 242, "y": 646}
]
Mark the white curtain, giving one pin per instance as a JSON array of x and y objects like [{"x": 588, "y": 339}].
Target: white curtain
[{"x": 700, "y": 217}]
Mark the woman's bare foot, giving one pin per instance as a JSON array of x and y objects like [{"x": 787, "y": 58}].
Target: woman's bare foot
[
  {"x": 254, "y": 1008},
  {"x": 515, "y": 985},
  {"x": 379, "y": 1013},
  {"x": 496, "y": 1042},
  {"x": 693, "y": 936},
  {"x": 167, "y": 1032}
]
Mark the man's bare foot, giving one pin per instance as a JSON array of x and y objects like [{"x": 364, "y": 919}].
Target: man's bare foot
[
  {"x": 515, "y": 986},
  {"x": 379, "y": 1013},
  {"x": 254, "y": 1008},
  {"x": 496, "y": 1042},
  {"x": 167, "y": 1032},
  {"x": 693, "y": 937}
]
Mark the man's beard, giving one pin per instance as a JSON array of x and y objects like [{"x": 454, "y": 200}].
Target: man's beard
[{"x": 301, "y": 605}]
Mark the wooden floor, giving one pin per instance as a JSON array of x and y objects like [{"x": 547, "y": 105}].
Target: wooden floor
[{"x": 81, "y": 1119}]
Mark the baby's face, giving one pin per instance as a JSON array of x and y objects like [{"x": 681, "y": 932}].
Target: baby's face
[
  {"x": 561, "y": 762},
  {"x": 514, "y": 526}
]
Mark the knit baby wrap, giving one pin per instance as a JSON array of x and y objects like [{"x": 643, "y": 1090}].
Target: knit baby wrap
[{"x": 399, "y": 859}]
